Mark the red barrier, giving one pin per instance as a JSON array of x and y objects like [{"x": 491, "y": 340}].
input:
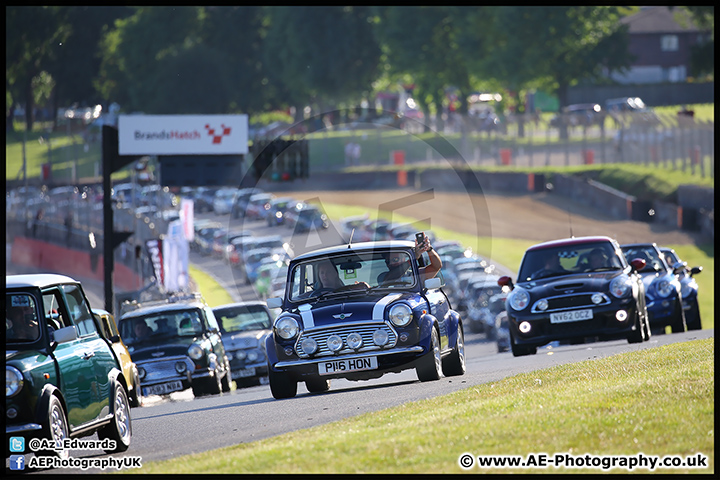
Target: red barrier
[
  {"x": 73, "y": 263},
  {"x": 505, "y": 156}
]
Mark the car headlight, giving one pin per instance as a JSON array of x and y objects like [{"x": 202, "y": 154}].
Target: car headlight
[
  {"x": 689, "y": 289},
  {"x": 400, "y": 314},
  {"x": 287, "y": 327},
  {"x": 13, "y": 381},
  {"x": 519, "y": 299},
  {"x": 195, "y": 351},
  {"x": 664, "y": 287},
  {"x": 620, "y": 286}
]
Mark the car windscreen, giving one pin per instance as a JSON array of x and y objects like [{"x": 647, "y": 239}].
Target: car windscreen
[
  {"x": 653, "y": 262},
  {"x": 382, "y": 269},
  {"x": 242, "y": 318},
  {"x": 567, "y": 260},
  {"x": 21, "y": 318},
  {"x": 157, "y": 328}
]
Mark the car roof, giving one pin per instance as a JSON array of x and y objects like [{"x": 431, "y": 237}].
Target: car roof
[
  {"x": 361, "y": 246},
  {"x": 640, "y": 244},
  {"x": 247, "y": 303},
  {"x": 39, "y": 280},
  {"x": 165, "y": 307},
  {"x": 570, "y": 242}
]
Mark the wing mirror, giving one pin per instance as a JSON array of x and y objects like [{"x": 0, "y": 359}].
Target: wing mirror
[
  {"x": 432, "y": 283},
  {"x": 274, "y": 302},
  {"x": 64, "y": 335},
  {"x": 638, "y": 264},
  {"x": 505, "y": 281}
]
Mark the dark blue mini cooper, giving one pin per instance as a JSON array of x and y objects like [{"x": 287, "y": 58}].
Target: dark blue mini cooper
[
  {"x": 357, "y": 312},
  {"x": 573, "y": 289}
]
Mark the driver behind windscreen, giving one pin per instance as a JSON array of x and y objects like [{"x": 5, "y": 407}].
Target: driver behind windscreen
[{"x": 21, "y": 323}]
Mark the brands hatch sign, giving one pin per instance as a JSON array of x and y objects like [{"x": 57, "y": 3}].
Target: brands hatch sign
[{"x": 182, "y": 134}]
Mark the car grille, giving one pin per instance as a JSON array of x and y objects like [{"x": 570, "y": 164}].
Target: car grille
[
  {"x": 366, "y": 332},
  {"x": 566, "y": 302},
  {"x": 159, "y": 370}
]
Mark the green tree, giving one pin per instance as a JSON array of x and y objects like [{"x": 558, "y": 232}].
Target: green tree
[
  {"x": 33, "y": 36},
  {"x": 76, "y": 63},
  {"x": 424, "y": 43},
  {"x": 702, "y": 61},
  {"x": 323, "y": 55},
  {"x": 136, "y": 51}
]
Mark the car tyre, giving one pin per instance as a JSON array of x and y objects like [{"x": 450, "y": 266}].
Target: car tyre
[
  {"x": 521, "y": 350},
  {"x": 454, "y": 364},
  {"x": 678, "y": 322},
  {"x": 120, "y": 427},
  {"x": 281, "y": 384},
  {"x": 429, "y": 366},
  {"x": 55, "y": 428},
  {"x": 135, "y": 398},
  {"x": 226, "y": 382},
  {"x": 639, "y": 333},
  {"x": 692, "y": 319},
  {"x": 317, "y": 385},
  {"x": 647, "y": 332}
]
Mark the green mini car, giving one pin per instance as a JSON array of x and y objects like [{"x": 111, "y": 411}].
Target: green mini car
[
  {"x": 176, "y": 344},
  {"x": 62, "y": 379}
]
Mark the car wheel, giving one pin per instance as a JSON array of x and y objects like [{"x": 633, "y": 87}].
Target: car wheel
[
  {"x": 638, "y": 334},
  {"x": 281, "y": 385},
  {"x": 521, "y": 350},
  {"x": 226, "y": 382},
  {"x": 317, "y": 385},
  {"x": 55, "y": 428},
  {"x": 120, "y": 428},
  {"x": 214, "y": 384},
  {"x": 693, "y": 317},
  {"x": 429, "y": 366},
  {"x": 135, "y": 398},
  {"x": 678, "y": 322},
  {"x": 454, "y": 364}
]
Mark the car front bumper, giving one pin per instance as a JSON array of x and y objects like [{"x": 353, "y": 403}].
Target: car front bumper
[{"x": 604, "y": 323}]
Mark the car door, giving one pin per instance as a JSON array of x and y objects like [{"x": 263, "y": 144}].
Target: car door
[
  {"x": 440, "y": 309},
  {"x": 77, "y": 379},
  {"x": 95, "y": 347}
]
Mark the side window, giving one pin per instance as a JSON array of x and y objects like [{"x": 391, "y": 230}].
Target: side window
[
  {"x": 54, "y": 309},
  {"x": 79, "y": 310}
]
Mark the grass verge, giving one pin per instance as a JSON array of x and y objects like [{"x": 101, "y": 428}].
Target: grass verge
[{"x": 658, "y": 401}]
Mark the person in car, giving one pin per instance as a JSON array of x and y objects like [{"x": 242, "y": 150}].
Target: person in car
[
  {"x": 329, "y": 280},
  {"x": 597, "y": 259},
  {"x": 398, "y": 263},
  {"x": 328, "y": 276},
  {"x": 141, "y": 330},
  {"x": 21, "y": 323},
  {"x": 551, "y": 267}
]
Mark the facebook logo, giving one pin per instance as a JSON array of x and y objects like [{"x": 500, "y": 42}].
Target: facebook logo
[
  {"x": 17, "y": 462},
  {"x": 17, "y": 444}
]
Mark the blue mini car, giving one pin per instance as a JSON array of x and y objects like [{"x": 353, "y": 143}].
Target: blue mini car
[
  {"x": 688, "y": 287},
  {"x": 662, "y": 287},
  {"x": 357, "y": 312}
]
